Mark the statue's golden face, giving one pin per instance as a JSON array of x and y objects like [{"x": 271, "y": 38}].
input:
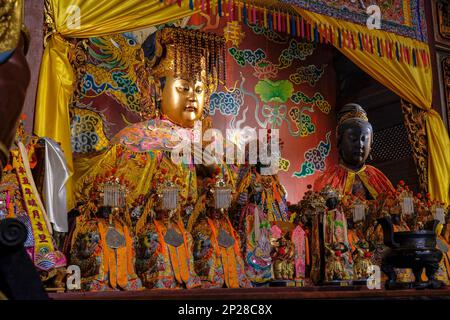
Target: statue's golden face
[{"x": 183, "y": 100}]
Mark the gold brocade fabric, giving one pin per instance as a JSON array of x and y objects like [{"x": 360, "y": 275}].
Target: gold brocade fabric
[
  {"x": 10, "y": 23},
  {"x": 137, "y": 168},
  {"x": 141, "y": 157}
]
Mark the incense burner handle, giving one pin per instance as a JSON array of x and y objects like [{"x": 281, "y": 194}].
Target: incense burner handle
[{"x": 388, "y": 232}]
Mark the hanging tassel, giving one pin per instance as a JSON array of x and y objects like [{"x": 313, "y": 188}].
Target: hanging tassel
[
  {"x": 316, "y": 34},
  {"x": 378, "y": 47},
  {"x": 419, "y": 56},
  {"x": 275, "y": 21},
  {"x": 225, "y": 8},
  {"x": 265, "y": 18},
  {"x": 405, "y": 54},
  {"x": 255, "y": 21},
  {"x": 307, "y": 32},
  {"x": 339, "y": 38},
  {"x": 302, "y": 28},
  {"x": 293, "y": 26},
  {"x": 360, "y": 42},
  {"x": 283, "y": 23},
  {"x": 414, "y": 58},
  {"x": 397, "y": 53},
  {"x": 203, "y": 5},
  {"x": 405, "y": 50},
  {"x": 328, "y": 34},
  {"x": 288, "y": 24},
  {"x": 386, "y": 43},
  {"x": 270, "y": 21},
  {"x": 208, "y": 7},
  {"x": 331, "y": 35},
  {"x": 191, "y": 4},
  {"x": 245, "y": 14},
  {"x": 179, "y": 3},
  {"x": 230, "y": 10},
  {"x": 297, "y": 26},
  {"x": 260, "y": 14},
  {"x": 353, "y": 42},
  {"x": 239, "y": 12},
  {"x": 319, "y": 33},
  {"x": 390, "y": 45},
  {"x": 219, "y": 7},
  {"x": 279, "y": 22}
]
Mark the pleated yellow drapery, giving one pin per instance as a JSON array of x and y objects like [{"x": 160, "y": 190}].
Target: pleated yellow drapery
[
  {"x": 411, "y": 83},
  {"x": 83, "y": 19}
]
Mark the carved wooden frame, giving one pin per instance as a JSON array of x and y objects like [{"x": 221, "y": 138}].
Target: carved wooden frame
[{"x": 414, "y": 120}]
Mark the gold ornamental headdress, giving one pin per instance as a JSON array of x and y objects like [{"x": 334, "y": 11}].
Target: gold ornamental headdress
[
  {"x": 351, "y": 111},
  {"x": 328, "y": 192},
  {"x": 312, "y": 203},
  {"x": 186, "y": 52}
]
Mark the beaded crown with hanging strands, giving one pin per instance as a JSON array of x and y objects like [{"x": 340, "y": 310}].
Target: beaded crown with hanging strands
[
  {"x": 167, "y": 189},
  {"x": 222, "y": 195},
  {"x": 110, "y": 190},
  {"x": 312, "y": 203},
  {"x": 188, "y": 53},
  {"x": 114, "y": 193},
  {"x": 168, "y": 193}
]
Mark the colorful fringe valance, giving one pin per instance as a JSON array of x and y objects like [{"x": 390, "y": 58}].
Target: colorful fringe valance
[{"x": 284, "y": 18}]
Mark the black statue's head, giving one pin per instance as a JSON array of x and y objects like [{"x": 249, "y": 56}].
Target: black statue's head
[
  {"x": 332, "y": 203},
  {"x": 354, "y": 136}
]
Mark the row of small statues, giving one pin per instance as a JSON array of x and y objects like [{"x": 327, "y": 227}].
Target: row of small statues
[{"x": 215, "y": 250}]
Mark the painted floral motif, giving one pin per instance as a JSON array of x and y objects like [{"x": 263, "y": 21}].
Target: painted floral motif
[
  {"x": 303, "y": 121},
  {"x": 274, "y": 91},
  {"x": 308, "y": 74},
  {"x": 228, "y": 103},
  {"x": 265, "y": 70},
  {"x": 269, "y": 34},
  {"x": 284, "y": 164},
  {"x": 247, "y": 56},
  {"x": 315, "y": 159},
  {"x": 317, "y": 101},
  {"x": 275, "y": 115},
  {"x": 295, "y": 51}
]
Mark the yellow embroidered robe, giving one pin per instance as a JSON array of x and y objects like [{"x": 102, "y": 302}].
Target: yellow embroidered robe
[
  {"x": 103, "y": 268},
  {"x": 161, "y": 265}
]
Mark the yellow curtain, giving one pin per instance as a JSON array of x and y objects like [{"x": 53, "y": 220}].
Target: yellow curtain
[
  {"x": 412, "y": 83},
  {"x": 83, "y": 19}
]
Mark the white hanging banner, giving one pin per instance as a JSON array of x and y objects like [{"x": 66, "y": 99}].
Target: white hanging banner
[
  {"x": 359, "y": 213},
  {"x": 440, "y": 215},
  {"x": 407, "y": 206}
]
